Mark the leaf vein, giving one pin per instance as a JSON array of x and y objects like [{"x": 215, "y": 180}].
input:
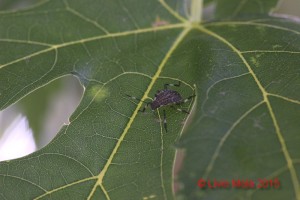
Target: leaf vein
[
  {"x": 71, "y": 158},
  {"x": 172, "y": 11},
  {"x": 112, "y": 35},
  {"x": 85, "y": 18},
  {"x": 40, "y": 78},
  {"x": 153, "y": 80},
  {"x": 225, "y": 137},
  {"x": 65, "y": 186},
  {"x": 23, "y": 179},
  {"x": 285, "y": 98},
  {"x": 270, "y": 51},
  {"x": 228, "y": 23},
  {"x": 286, "y": 153}
]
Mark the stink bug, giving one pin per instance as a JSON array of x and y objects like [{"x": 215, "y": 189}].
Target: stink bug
[{"x": 165, "y": 97}]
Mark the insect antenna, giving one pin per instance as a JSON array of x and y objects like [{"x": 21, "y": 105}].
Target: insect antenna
[
  {"x": 135, "y": 98},
  {"x": 144, "y": 108}
]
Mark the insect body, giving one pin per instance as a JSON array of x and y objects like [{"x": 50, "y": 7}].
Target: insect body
[{"x": 166, "y": 97}]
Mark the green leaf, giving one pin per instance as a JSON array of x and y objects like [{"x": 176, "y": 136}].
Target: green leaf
[
  {"x": 16, "y": 4},
  {"x": 244, "y": 122},
  {"x": 205, "y": 2},
  {"x": 232, "y": 8}
]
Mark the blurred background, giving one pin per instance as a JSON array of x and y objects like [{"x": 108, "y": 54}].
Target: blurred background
[{"x": 33, "y": 122}]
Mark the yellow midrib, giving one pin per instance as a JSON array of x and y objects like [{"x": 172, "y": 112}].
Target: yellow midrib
[
  {"x": 66, "y": 44},
  {"x": 155, "y": 77}
]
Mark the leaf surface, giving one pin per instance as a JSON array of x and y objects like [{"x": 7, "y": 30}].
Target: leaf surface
[
  {"x": 245, "y": 125},
  {"x": 233, "y": 8}
]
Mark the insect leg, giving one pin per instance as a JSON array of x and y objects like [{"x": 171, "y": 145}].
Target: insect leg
[
  {"x": 171, "y": 84},
  {"x": 187, "y": 99},
  {"x": 135, "y": 98},
  {"x": 184, "y": 111},
  {"x": 165, "y": 121},
  {"x": 146, "y": 106}
]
